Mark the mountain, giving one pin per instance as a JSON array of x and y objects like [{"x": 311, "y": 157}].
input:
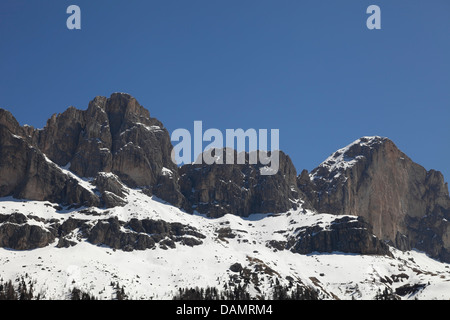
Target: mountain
[
  {"x": 113, "y": 135},
  {"x": 406, "y": 204},
  {"x": 93, "y": 205}
]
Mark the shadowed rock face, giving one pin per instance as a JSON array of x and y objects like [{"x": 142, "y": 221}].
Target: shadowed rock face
[
  {"x": 26, "y": 173},
  {"x": 346, "y": 234},
  {"x": 372, "y": 178},
  {"x": 17, "y": 233},
  {"x": 139, "y": 234},
  {"x": 114, "y": 134},
  {"x": 24, "y": 237},
  {"x": 239, "y": 189}
]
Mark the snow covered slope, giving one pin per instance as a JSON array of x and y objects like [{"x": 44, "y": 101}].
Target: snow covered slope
[
  {"x": 345, "y": 158},
  {"x": 159, "y": 272}
]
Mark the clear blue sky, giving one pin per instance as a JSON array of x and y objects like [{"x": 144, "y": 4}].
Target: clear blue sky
[{"x": 309, "y": 68}]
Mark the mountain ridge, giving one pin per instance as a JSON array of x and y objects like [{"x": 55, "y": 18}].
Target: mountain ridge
[
  {"x": 370, "y": 177},
  {"x": 102, "y": 179}
]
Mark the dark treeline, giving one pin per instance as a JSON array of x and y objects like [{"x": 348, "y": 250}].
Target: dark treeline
[
  {"x": 22, "y": 291},
  {"x": 241, "y": 293},
  {"x": 386, "y": 295},
  {"x": 77, "y": 294},
  {"x": 212, "y": 293}
]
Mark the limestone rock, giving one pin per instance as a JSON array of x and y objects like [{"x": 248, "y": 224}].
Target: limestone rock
[
  {"x": 168, "y": 188},
  {"x": 239, "y": 189},
  {"x": 372, "y": 178},
  {"x": 112, "y": 190},
  {"x": 142, "y": 234},
  {"x": 114, "y": 134},
  {"x": 27, "y": 173},
  {"x": 16, "y": 234},
  {"x": 344, "y": 235},
  {"x": 59, "y": 139}
]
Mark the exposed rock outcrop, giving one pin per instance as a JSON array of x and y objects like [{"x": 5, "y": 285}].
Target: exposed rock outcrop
[
  {"x": 27, "y": 173},
  {"x": 24, "y": 237},
  {"x": 142, "y": 234},
  {"x": 343, "y": 235},
  {"x": 114, "y": 134},
  {"x": 112, "y": 190},
  {"x": 239, "y": 189},
  {"x": 16, "y": 234}
]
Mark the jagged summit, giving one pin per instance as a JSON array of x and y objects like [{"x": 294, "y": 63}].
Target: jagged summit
[{"x": 114, "y": 134}]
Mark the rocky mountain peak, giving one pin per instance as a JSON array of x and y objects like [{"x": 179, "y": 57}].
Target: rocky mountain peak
[
  {"x": 345, "y": 158},
  {"x": 372, "y": 178},
  {"x": 113, "y": 135},
  {"x": 8, "y": 121}
]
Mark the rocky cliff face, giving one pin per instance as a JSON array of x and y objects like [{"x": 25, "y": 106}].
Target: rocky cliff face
[
  {"x": 114, "y": 135},
  {"x": 27, "y": 173},
  {"x": 372, "y": 178},
  {"x": 116, "y": 141},
  {"x": 239, "y": 189},
  {"x": 346, "y": 234},
  {"x": 16, "y": 234},
  {"x": 20, "y": 232}
]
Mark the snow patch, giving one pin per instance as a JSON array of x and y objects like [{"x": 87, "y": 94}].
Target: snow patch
[{"x": 166, "y": 172}]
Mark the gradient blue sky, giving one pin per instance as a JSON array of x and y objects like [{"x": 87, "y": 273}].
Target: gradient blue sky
[{"x": 309, "y": 68}]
